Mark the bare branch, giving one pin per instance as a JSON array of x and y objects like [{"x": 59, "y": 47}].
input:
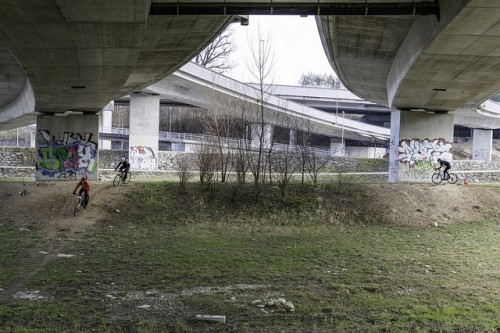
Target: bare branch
[{"x": 216, "y": 55}]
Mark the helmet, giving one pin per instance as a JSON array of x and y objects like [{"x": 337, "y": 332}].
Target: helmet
[
  {"x": 123, "y": 159},
  {"x": 439, "y": 160}
]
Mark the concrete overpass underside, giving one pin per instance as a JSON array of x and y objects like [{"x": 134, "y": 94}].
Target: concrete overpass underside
[
  {"x": 64, "y": 57},
  {"x": 436, "y": 71},
  {"x": 446, "y": 63}
]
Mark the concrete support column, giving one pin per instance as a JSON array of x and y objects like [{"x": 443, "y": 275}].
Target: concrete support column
[
  {"x": 105, "y": 124},
  {"x": 32, "y": 136},
  {"x": 482, "y": 144},
  {"x": 337, "y": 148},
  {"x": 67, "y": 147},
  {"x": 144, "y": 131},
  {"x": 256, "y": 135},
  {"x": 293, "y": 137},
  {"x": 418, "y": 139}
]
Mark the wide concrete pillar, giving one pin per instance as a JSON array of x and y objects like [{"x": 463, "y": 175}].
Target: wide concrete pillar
[
  {"x": 67, "y": 147},
  {"x": 144, "y": 131},
  {"x": 256, "y": 134},
  {"x": 418, "y": 139},
  {"x": 337, "y": 148},
  {"x": 105, "y": 124},
  {"x": 482, "y": 144}
]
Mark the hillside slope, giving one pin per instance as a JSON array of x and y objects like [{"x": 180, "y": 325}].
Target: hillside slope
[{"x": 49, "y": 205}]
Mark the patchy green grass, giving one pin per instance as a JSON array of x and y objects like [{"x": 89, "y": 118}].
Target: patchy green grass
[
  {"x": 190, "y": 253},
  {"x": 15, "y": 245}
]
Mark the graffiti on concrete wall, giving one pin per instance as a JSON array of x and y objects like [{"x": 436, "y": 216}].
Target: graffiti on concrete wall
[
  {"x": 66, "y": 157},
  {"x": 393, "y": 157},
  {"x": 142, "y": 157},
  {"x": 481, "y": 154},
  {"x": 420, "y": 155}
]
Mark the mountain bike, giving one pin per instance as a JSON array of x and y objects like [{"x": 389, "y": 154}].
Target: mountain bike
[
  {"x": 24, "y": 192},
  {"x": 81, "y": 202},
  {"x": 438, "y": 177},
  {"x": 120, "y": 178}
]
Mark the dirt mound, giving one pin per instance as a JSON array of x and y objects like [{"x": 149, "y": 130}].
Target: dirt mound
[
  {"x": 428, "y": 204},
  {"x": 49, "y": 205}
]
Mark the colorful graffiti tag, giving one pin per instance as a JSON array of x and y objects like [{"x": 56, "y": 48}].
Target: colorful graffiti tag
[
  {"x": 419, "y": 156},
  {"x": 67, "y": 157},
  {"x": 142, "y": 157},
  {"x": 481, "y": 154}
]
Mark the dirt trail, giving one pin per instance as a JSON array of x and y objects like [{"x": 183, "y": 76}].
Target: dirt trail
[{"x": 48, "y": 209}]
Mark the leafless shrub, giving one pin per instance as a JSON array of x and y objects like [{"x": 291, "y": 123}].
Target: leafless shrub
[
  {"x": 206, "y": 161},
  {"x": 284, "y": 164},
  {"x": 182, "y": 166}
]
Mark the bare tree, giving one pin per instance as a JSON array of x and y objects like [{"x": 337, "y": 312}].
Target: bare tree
[
  {"x": 242, "y": 147},
  {"x": 311, "y": 162},
  {"x": 218, "y": 124},
  {"x": 206, "y": 161},
  {"x": 216, "y": 56},
  {"x": 284, "y": 165},
  {"x": 283, "y": 157},
  {"x": 260, "y": 65}
]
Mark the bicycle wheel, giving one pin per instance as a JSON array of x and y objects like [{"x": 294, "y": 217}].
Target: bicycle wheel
[
  {"x": 436, "y": 178},
  {"x": 129, "y": 175},
  {"x": 117, "y": 180},
  {"x": 78, "y": 207},
  {"x": 453, "y": 178}
]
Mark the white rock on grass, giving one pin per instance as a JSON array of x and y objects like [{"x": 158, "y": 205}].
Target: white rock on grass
[
  {"x": 274, "y": 304},
  {"x": 282, "y": 301},
  {"x": 289, "y": 306},
  {"x": 62, "y": 255}
]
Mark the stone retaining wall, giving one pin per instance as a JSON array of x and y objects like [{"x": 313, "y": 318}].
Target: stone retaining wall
[
  {"x": 17, "y": 156},
  {"x": 19, "y": 162}
]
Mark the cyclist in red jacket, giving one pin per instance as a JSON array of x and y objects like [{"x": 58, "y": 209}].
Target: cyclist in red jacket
[{"x": 85, "y": 188}]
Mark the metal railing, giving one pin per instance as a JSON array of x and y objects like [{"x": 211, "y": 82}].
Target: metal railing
[{"x": 226, "y": 142}]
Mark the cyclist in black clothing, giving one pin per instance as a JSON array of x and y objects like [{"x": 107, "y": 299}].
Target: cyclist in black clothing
[
  {"x": 447, "y": 167},
  {"x": 124, "y": 166}
]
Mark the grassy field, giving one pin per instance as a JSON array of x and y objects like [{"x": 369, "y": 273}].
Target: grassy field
[{"x": 236, "y": 252}]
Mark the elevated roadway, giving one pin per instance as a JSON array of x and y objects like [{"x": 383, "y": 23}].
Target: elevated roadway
[
  {"x": 195, "y": 85},
  {"x": 327, "y": 99}
]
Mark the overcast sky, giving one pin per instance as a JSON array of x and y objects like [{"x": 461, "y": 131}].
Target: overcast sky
[{"x": 295, "y": 42}]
